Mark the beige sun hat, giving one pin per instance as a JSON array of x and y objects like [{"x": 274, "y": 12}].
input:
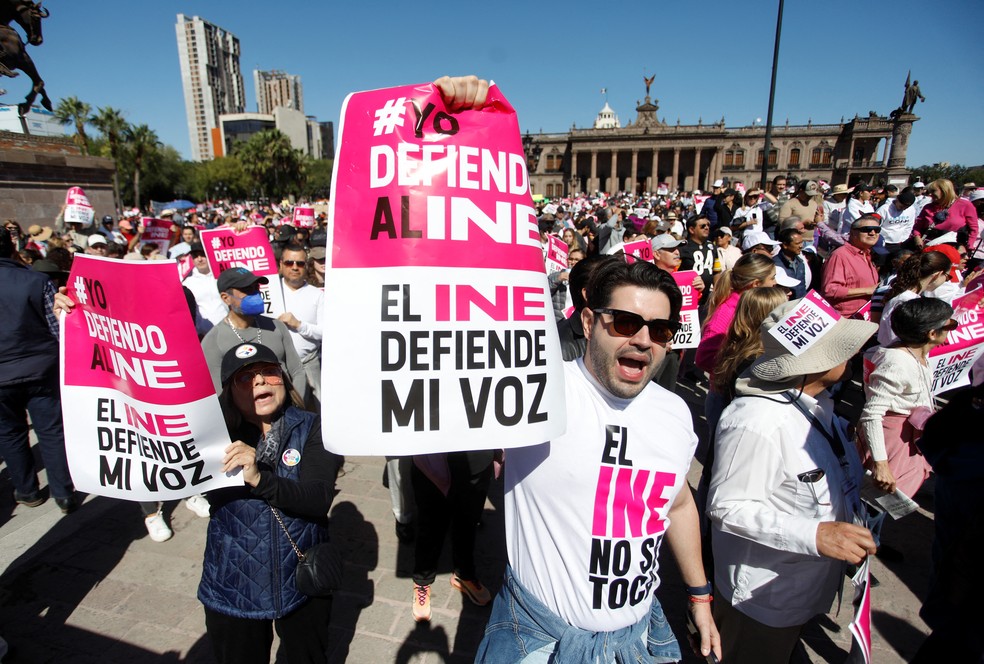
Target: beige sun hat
[{"x": 778, "y": 370}]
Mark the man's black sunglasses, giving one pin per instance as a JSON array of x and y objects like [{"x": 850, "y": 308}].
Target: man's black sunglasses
[{"x": 628, "y": 324}]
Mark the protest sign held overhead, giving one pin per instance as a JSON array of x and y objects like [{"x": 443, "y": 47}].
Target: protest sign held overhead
[
  {"x": 689, "y": 334},
  {"x": 436, "y": 266},
  {"x": 78, "y": 209},
  {"x": 225, "y": 248},
  {"x": 303, "y": 216},
  {"x": 157, "y": 232},
  {"x": 639, "y": 250},
  {"x": 556, "y": 254},
  {"x": 145, "y": 421}
]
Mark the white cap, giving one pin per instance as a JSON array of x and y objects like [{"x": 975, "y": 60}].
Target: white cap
[
  {"x": 718, "y": 183},
  {"x": 753, "y": 238},
  {"x": 96, "y": 238},
  {"x": 784, "y": 279},
  {"x": 919, "y": 185},
  {"x": 976, "y": 195},
  {"x": 665, "y": 241}
]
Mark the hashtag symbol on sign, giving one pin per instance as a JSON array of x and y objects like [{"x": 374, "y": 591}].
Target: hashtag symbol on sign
[
  {"x": 389, "y": 116},
  {"x": 216, "y": 243},
  {"x": 80, "y": 293}
]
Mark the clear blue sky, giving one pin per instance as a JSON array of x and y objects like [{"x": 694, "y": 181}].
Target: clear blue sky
[{"x": 711, "y": 58}]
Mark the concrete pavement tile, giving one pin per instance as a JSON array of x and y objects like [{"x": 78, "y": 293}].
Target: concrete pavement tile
[
  {"x": 158, "y": 568},
  {"x": 155, "y": 638},
  {"x": 368, "y": 648},
  {"x": 380, "y": 618},
  {"x": 161, "y": 607},
  {"x": 194, "y": 622},
  {"x": 108, "y": 594},
  {"x": 110, "y": 625}
]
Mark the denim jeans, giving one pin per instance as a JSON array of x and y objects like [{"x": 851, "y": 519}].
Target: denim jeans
[
  {"x": 522, "y": 629},
  {"x": 42, "y": 399}
]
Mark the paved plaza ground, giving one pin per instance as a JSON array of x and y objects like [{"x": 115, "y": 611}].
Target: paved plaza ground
[{"x": 92, "y": 587}]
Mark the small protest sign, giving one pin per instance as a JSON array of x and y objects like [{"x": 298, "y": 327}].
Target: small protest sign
[
  {"x": 145, "y": 420},
  {"x": 225, "y": 248},
  {"x": 557, "y": 250},
  {"x": 156, "y": 232},
  {"x": 303, "y": 216},
  {"x": 806, "y": 324},
  {"x": 78, "y": 210},
  {"x": 951, "y": 362},
  {"x": 639, "y": 250},
  {"x": 689, "y": 334},
  {"x": 436, "y": 262}
]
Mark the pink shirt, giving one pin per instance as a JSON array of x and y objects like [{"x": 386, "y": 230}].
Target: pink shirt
[
  {"x": 712, "y": 337},
  {"x": 847, "y": 268},
  {"x": 962, "y": 213}
]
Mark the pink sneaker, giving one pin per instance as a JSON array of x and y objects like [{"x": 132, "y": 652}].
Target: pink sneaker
[
  {"x": 421, "y": 603},
  {"x": 473, "y": 590}
]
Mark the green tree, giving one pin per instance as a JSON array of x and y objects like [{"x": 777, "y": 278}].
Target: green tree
[
  {"x": 317, "y": 183},
  {"x": 274, "y": 167},
  {"x": 955, "y": 173},
  {"x": 72, "y": 110},
  {"x": 222, "y": 176},
  {"x": 140, "y": 141},
  {"x": 109, "y": 121}
]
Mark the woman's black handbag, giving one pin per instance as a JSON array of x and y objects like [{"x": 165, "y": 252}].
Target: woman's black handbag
[{"x": 319, "y": 569}]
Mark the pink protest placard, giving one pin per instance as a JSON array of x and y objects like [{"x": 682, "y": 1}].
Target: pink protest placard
[
  {"x": 699, "y": 202},
  {"x": 639, "y": 250},
  {"x": 145, "y": 423},
  {"x": 157, "y": 231},
  {"x": 304, "y": 216},
  {"x": 435, "y": 260},
  {"x": 225, "y": 248},
  {"x": 806, "y": 324},
  {"x": 78, "y": 209},
  {"x": 689, "y": 334},
  {"x": 663, "y": 190},
  {"x": 861, "y": 623},
  {"x": 951, "y": 362},
  {"x": 556, "y": 254},
  {"x": 864, "y": 313}
]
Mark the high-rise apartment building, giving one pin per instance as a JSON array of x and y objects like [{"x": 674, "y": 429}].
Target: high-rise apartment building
[
  {"x": 276, "y": 88},
  {"x": 211, "y": 78}
]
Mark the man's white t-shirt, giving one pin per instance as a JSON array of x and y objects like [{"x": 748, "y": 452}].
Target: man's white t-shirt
[
  {"x": 586, "y": 512},
  {"x": 896, "y": 225}
]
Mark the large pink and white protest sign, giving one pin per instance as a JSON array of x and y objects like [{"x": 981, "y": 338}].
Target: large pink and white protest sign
[
  {"x": 157, "y": 232},
  {"x": 699, "y": 201},
  {"x": 142, "y": 418},
  {"x": 225, "y": 248},
  {"x": 951, "y": 362},
  {"x": 78, "y": 209},
  {"x": 806, "y": 324},
  {"x": 689, "y": 334},
  {"x": 556, "y": 254},
  {"x": 860, "y": 625},
  {"x": 448, "y": 340},
  {"x": 638, "y": 250},
  {"x": 303, "y": 216}
]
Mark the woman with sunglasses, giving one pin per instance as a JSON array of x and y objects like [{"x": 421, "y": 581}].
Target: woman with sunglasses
[
  {"x": 916, "y": 274},
  {"x": 248, "y": 577},
  {"x": 899, "y": 398},
  {"x": 944, "y": 213}
]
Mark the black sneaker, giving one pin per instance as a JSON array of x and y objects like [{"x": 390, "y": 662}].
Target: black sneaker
[
  {"x": 33, "y": 499},
  {"x": 67, "y": 505}
]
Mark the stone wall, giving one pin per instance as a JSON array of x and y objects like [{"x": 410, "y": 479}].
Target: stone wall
[{"x": 36, "y": 171}]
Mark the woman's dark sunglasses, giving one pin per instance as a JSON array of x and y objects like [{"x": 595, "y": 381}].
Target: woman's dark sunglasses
[{"x": 628, "y": 324}]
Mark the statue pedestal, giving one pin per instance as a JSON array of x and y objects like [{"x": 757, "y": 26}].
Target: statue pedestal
[
  {"x": 895, "y": 171},
  {"x": 36, "y": 171}
]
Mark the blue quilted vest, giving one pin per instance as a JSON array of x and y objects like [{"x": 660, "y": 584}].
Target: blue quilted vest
[{"x": 249, "y": 565}]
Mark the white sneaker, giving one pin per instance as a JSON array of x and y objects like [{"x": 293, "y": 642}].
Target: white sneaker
[
  {"x": 199, "y": 505},
  {"x": 157, "y": 527}
]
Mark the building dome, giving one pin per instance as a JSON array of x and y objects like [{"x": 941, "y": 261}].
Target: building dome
[{"x": 607, "y": 119}]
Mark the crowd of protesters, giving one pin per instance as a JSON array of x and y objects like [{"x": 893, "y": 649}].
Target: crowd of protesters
[{"x": 779, "y": 496}]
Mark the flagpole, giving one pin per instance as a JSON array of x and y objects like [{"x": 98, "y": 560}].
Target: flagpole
[{"x": 772, "y": 99}]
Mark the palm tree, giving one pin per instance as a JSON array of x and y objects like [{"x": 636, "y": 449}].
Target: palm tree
[
  {"x": 72, "y": 110},
  {"x": 110, "y": 122},
  {"x": 271, "y": 161},
  {"x": 140, "y": 140}
]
